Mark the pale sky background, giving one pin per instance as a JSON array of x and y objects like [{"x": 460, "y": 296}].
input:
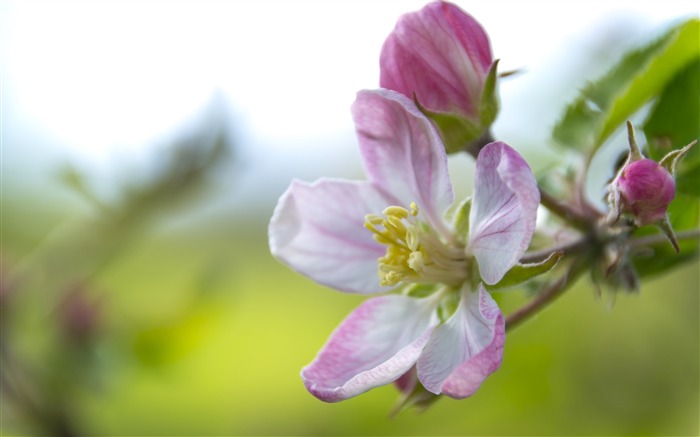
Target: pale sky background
[{"x": 103, "y": 85}]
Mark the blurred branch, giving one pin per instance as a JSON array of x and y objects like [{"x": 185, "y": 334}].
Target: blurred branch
[
  {"x": 42, "y": 395},
  {"x": 554, "y": 290},
  {"x": 183, "y": 172}
]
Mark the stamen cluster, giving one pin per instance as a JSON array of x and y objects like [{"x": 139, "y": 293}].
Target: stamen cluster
[{"x": 415, "y": 252}]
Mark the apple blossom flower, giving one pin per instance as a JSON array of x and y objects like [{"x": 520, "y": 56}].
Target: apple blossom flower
[
  {"x": 441, "y": 56},
  {"x": 390, "y": 234}
]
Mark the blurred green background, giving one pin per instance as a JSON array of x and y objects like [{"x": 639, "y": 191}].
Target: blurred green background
[
  {"x": 200, "y": 332},
  {"x": 138, "y": 295}
]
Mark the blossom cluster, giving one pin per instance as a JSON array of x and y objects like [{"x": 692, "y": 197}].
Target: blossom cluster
[
  {"x": 391, "y": 234},
  {"x": 431, "y": 263}
]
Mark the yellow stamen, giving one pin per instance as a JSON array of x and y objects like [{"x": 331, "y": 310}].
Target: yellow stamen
[
  {"x": 414, "y": 253},
  {"x": 396, "y": 211}
]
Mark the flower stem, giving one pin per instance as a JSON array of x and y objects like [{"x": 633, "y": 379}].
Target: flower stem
[
  {"x": 651, "y": 240},
  {"x": 475, "y": 147},
  {"x": 566, "y": 248},
  {"x": 554, "y": 290},
  {"x": 571, "y": 216}
]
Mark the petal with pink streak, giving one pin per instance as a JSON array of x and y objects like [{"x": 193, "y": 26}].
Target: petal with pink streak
[
  {"x": 402, "y": 152},
  {"x": 376, "y": 344},
  {"x": 317, "y": 229},
  {"x": 504, "y": 209},
  {"x": 465, "y": 349},
  {"x": 441, "y": 54}
]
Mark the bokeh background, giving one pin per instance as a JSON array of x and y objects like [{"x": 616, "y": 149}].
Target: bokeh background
[{"x": 144, "y": 145}]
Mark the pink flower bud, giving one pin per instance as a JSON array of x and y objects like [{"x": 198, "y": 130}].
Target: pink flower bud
[
  {"x": 646, "y": 190},
  {"x": 441, "y": 55}
]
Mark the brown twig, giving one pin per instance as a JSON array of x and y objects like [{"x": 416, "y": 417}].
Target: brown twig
[{"x": 554, "y": 290}]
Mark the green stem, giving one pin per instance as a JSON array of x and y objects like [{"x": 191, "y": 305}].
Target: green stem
[
  {"x": 475, "y": 147},
  {"x": 651, "y": 240},
  {"x": 567, "y": 249}
]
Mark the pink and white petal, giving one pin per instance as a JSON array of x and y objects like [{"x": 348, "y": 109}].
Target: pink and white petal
[
  {"x": 402, "y": 152},
  {"x": 441, "y": 54},
  {"x": 465, "y": 349},
  {"x": 375, "y": 345},
  {"x": 318, "y": 230},
  {"x": 504, "y": 209}
]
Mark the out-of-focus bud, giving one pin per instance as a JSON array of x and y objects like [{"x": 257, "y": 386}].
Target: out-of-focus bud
[
  {"x": 79, "y": 315},
  {"x": 646, "y": 190},
  {"x": 8, "y": 290},
  {"x": 440, "y": 56}
]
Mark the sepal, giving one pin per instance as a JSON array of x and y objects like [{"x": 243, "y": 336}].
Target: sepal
[
  {"x": 419, "y": 398},
  {"x": 671, "y": 160},
  {"x": 456, "y": 131},
  {"x": 635, "y": 154},
  {"x": 461, "y": 219},
  {"x": 524, "y": 272},
  {"x": 665, "y": 225},
  {"x": 489, "y": 107}
]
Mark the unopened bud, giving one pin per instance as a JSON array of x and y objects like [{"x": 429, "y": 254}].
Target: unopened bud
[
  {"x": 646, "y": 189},
  {"x": 440, "y": 57}
]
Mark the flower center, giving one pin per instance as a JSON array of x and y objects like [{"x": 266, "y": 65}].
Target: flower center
[{"x": 415, "y": 252}]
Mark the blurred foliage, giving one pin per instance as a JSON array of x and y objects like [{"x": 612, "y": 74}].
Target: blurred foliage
[
  {"x": 177, "y": 359},
  {"x": 675, "y": 122},
  {"x": 665, "y": 75},
  {"x": 641, "y": 75},
  {"x": 196, "y": 330},
  {"x": 54, "y": 311}
]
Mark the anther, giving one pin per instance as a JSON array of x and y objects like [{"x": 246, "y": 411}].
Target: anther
[
  {"x": 374, "y": 219},
  {"x": 396, "y": 211},
  {"x": 415, "y": 261}
]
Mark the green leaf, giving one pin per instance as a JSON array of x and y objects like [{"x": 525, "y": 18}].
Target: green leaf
[
  {"x": 662, "y": 257},
  {"x": 674, "y": 122},
  {"x": 578, "y": 126},
  {"x": 640, "y": 76},
  {"x": 662, "y": 260},
  {"x": 523, "y": 272},
  {"x": 684, "y": 213},
  {"x": 688, "y": 178}
]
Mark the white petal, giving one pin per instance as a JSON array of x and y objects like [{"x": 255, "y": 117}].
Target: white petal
[
  {"x": 403, "y": 153},
  {"x": 504, "y": 208},
  {"x": 317, "y": 229},
  {"x": 375, "y": 345},
  {"x": 465, "y": 349}
]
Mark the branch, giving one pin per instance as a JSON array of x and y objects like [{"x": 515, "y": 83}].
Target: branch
[
  {"x": 566, "y": 248},
  {"x": 570, "y": 215},
  {"x": 651, "y": 240},
  {"x": 554, "y": 290}
]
